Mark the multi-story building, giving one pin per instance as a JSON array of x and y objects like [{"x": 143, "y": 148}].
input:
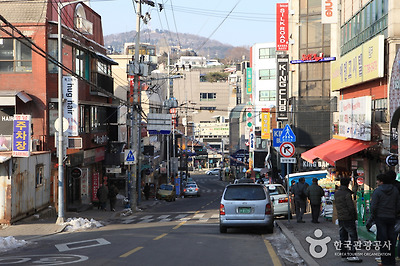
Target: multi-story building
[{"x": 29, "y": 86}]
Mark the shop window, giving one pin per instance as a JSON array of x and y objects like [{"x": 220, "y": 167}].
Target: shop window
[
  {"x": 208, "y": 96},
  {"x": 39, "y": 173},
  {"x": 15, "y": 55}
]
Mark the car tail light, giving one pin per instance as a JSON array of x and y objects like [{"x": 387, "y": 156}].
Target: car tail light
[
  {"x": 283, "y": 200},
  {"x": 184, "y": 190},
  {"x": 197, "y": 189},
  {"x": 221, "y": 209},
  {"x": 268, "y": 209}
]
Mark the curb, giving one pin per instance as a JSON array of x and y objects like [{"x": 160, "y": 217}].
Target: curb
[{"x": 297, "y": 245}]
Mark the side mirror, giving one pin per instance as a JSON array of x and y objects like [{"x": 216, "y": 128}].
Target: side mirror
[{"x": 272, "y": 199}]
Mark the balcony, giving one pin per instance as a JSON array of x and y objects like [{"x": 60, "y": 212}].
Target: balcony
[{"x": 104, "y": 83}]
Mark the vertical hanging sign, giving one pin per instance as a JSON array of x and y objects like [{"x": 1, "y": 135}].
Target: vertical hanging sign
[
  {"x": 21, "y": 136},
  {"x": 265, "y": 123},
  {"x": 249, "y": 79},
  {"x": 282, "y": 26},
  {"x": 329, "y": 11},
  {"x": 70, "y": 94},
  {"x": 282, "y": 86}
]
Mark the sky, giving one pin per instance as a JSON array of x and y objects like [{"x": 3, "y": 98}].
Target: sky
[{"x": 234, "y": 22}]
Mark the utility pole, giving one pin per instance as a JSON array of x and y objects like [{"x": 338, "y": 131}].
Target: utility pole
[{"x": 135, "y": 128}]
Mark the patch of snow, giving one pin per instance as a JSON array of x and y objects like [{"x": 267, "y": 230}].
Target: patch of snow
[
  {"x": 9, "y": 242},
  {"x": 75, "y": 224}
]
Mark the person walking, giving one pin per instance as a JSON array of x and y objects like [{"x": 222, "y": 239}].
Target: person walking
[
  {"x": 291, "y": 197},
  {"x": 300, "y": 197},
  {"x": 385, "y": 205},
  {"x": 146, "y": 191},
  {"x": 112, "y": 195},
  {"x": 102, "y": 195},
  {"x": 314, "y": 194},
  {"x": 347, "y": 216}
]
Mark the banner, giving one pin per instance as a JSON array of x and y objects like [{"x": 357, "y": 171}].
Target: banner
[
  {"x": 282, "y": 79},
  {"x": 329, "y": 12},
  {"x": 71, "y": 111},
  {"x": 282, "y": 26}
]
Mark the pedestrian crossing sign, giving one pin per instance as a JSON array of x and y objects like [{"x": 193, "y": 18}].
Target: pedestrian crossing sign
[
  {"x": 130, "y": 157},
  {"x": 287, "y": 135}
]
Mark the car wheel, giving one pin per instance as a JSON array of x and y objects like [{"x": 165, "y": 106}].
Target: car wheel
[
  {"x": 223, "y": 229},
  {"x": 270, "y": 229}
]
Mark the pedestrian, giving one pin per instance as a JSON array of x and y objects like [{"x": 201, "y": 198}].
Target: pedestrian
[
  {"x": 314, "y": 194},
  {"x": 112, "y": 195},
  {"x": 347, "y": 216},
  {"x": 300, "y": 197},
  {"x": 102, "y": 195},
  {"x": 291, "y": 197},
  {"x": 392, "y": 175},
  {"x": 385, "y": 205},
  {"x": 146, "y": 191}
]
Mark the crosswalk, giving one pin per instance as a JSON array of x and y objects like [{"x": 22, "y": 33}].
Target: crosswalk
[{"x": 198, "y": 218}]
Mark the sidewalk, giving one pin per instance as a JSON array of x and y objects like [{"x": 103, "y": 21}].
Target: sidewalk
[
  {"x": 44, "y": 223},
  {"x": 299, "y": 233}
]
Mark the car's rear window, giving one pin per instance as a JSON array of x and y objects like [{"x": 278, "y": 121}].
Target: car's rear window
[
  {"x": 244, "y": 193},
  {"x": 166, "y": 187},
  {"x": 275, "y": 190},
  {"x": 191, "y": 186}
]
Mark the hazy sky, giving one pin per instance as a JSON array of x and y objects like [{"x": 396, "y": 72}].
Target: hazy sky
[{"x": 235, "y": 22}]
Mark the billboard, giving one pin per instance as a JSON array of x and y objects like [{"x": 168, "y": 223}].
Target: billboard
[
  {"x": 282, "y": 26},
  {"x": 329, "y": 11},
  {"x": 282, "y": 86},
  {"x": 21, "y": 136}
]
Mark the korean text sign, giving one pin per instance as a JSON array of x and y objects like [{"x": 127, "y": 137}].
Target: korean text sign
[
  {"x": 282, "y": 26},
  {"x": 21, "y": 136}
]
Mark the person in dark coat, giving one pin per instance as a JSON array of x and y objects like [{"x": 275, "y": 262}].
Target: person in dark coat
[
  {"x": 314, "y": 194},
  {"x": 102, "y": 195},
  {"x": 392, "y": 176},
  {"x": 146, "y": 191},
  {"x": 300, "y": 197},
  {"x": 385, "y": 206},
  {"x": 347, "y": 216},
  {"x": 112, "y": 195}
]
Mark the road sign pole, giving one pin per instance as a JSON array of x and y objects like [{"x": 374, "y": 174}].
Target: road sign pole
[{"x": 288, "y": 184}]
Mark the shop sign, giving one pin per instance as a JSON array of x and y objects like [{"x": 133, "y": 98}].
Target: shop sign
[
  {"x": 266, "y": 125},
  {"x": 70, "y": 94},
  {"x": 76, "y": 172},
  {"x": 329, "y": 12},
  {"x": 85, "y": 183},
  {"x": 364, "y": 63},
  {"x": 282, "y": 26},
  {"x": 282, "y": 80},
  {"x": 392, "y": 160},
  {"x": 355, "y": 118},
  {"x": 249, "y": 79},
  {"x": 95, "y": 185},
  {"x": 312, "y": 58},
  {"x": 21, "y": 136}
]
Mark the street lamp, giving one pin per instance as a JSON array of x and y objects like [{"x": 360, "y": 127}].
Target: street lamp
[{"x": 60, "y": 218}]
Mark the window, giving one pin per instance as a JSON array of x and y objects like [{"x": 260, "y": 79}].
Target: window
[
  {"x": 52, "y": 49},
  {"x": 97, "y": 119},
  {"x": 208, "y": 96},
  {"x": 39, "y": 172},
  {"x": 79, "y": 62},
  {"x": 84, "y": 119},
  {"x": 266, "y": 74},
  {"x": 267, "y": 95},
  {"x": 15, "y": 55},
  {"x": 207, "y": 108},
  {"x": 266, "y": 53}
]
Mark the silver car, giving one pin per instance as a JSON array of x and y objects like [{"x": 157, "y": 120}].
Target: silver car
[
  {"x": 191, "y": 190},
  {"x": 246, "y": 205}
]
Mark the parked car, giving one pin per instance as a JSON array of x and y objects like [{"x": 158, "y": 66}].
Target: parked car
[
  {"x": 214, "y": 171},
  {"x": 191, "y": 190},
  {"x": 280, "y": 199},
  {"x": 246, "y": 205},
  {"x": 243, "y": 180},
  {"x": 167, "y": 192}
]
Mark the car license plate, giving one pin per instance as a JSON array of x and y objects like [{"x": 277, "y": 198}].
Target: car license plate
[{"x": 244, "y": 210}]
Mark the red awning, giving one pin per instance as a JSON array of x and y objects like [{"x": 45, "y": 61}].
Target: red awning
[
  {"x": 310, "y": 155},
  {"x": 334, "y": 150}
]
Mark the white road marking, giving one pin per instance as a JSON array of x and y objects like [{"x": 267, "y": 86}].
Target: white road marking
[{"x": 89, "y": 244}]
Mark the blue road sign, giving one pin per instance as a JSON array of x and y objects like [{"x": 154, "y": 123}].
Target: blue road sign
[
  {"x": 130, "y": 157},
  {"x": 276, "y": 137},
  {"x": 287, "y": 135}
]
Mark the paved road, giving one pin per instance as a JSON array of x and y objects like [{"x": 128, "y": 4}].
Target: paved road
[{"x": 184, "y": 232}]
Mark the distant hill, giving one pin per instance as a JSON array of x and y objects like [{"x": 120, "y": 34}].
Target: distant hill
[{"x": 211, "y": 48}]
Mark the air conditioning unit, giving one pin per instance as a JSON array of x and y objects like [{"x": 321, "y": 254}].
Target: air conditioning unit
[{"x": 74, "y": 143}]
